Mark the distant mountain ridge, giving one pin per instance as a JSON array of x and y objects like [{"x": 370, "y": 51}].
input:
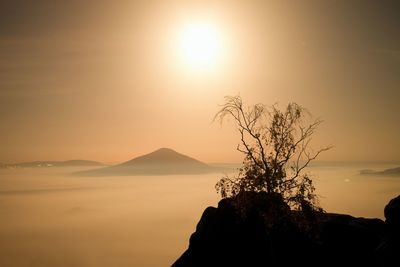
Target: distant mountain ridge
[
  {"x": 164, "y": 161},
  {"x": 47, "y": 164},
  {"x": 391, "y": 171}
]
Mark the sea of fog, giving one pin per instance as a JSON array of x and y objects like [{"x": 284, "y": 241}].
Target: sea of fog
[{"x": 52, "y": 219}]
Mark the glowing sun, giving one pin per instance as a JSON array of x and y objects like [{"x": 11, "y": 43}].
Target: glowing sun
[{"x": 200, "y": 45}]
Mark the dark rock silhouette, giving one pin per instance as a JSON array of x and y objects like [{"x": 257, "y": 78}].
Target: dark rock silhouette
[
  {"x": 392, "y": 213},
  {"x": 389, "y": 247},
  {"x": 163, "y": 161},
  {"x": 268, "y": 233}
]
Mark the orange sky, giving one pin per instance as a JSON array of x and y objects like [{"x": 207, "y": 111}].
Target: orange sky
[{"x": 102, "y": 80}]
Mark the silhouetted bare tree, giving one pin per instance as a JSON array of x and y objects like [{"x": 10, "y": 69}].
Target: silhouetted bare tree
[{"x": 276, "y": 148}]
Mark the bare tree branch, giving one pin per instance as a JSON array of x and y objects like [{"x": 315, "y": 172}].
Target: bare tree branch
[{"x": 270, "y": 140}]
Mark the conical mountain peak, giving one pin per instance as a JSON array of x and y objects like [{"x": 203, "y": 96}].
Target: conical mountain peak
[
  {"x": 163, "y": 161},
  {"x": 162, "y": 156}
]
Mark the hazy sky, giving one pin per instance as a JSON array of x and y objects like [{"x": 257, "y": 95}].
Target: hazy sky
[{"x": 104, "y": 80}]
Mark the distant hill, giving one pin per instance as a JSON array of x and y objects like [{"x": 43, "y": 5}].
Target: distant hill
[
  {"x": 392, "y": 171},
  {"x": 77, "y": 162},
  {"x": 47, "y": 164},
  {"x": 164, "y": 161}
]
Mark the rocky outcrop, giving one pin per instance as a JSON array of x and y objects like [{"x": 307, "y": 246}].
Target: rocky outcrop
[
  {"x": 392, "y": 213},
  {"x": 389, "y": 247},
  {"x": 265, "y": 232}
]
